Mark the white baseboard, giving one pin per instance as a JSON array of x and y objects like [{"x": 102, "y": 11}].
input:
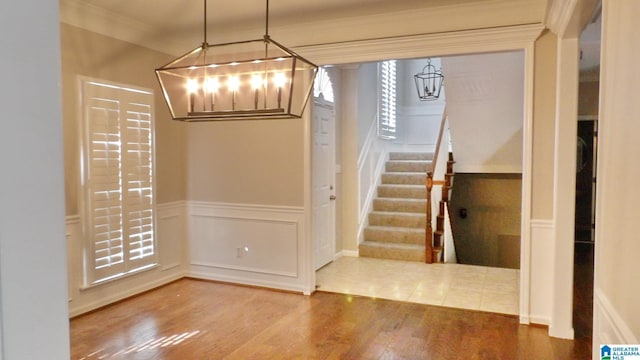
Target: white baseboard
[
  {"x": 537, "y": 319},
  {"x": 350, "y": 253},
  {"x": 242, "y": 280},
  {"x": 562, "y": 333},
  {"x": 128, "y": 292}
]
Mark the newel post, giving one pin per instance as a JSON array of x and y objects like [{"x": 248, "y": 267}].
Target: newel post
[{"x": 428, "y": 256}]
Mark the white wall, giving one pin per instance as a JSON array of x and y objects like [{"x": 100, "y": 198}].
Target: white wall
[
  {"x": 485, "y": 95},
  {"x": 33, "y": 307},
  {"x": 616, "y": 288},
  {"x": 366, "y": 100},
  {"x": 418, "y": 121}
]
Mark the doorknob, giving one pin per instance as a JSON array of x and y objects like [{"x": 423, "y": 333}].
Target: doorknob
[{"x": 332, "y": 197}]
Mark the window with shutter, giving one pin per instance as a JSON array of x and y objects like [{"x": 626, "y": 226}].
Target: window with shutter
[
  {"x": 118, "y": 180},
  {"x": 387, "y": 100}
]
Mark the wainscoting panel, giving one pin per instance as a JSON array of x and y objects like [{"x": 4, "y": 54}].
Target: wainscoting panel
[
  {"x": 171, "y": 235},
  {"x": 540, "y": 291},
  {"x": 170, "y": 238},
  {"x": 608, "y": 326},
  {"x": 248, "y": 244}
]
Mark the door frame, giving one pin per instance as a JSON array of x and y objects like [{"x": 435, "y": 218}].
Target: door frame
[
  {"x": 319, "y": 102},
  {"x": 509, "y": 38}
]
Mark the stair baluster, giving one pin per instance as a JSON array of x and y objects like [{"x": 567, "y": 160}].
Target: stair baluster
[{"x": 434, "y": 240}]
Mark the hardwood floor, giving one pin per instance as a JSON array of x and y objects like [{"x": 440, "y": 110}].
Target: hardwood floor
[{"x": 191, "y": 319}]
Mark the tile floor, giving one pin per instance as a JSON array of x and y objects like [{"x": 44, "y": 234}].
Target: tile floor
[{"x": 451, "y": 285}]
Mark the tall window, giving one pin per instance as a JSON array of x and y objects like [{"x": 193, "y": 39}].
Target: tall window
[
  {"x": 387, "y": 100},
  {"x": 118, "y": 181}
]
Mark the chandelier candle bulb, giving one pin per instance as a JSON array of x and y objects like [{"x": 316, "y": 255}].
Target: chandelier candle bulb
[
  {"x": 212, "y": 87},
  {"x": 256, "y": 83},
  {"x": 279, "y": 80},
  {"x": 192, "y": 88},
  {"x": 234, "y": 85}
]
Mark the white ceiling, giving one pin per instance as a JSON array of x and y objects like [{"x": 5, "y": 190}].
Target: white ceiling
[
  {"x": 590, "y": 49},
  {"x": 183, "y": 14},
  {"x": 175, "y": 26}
]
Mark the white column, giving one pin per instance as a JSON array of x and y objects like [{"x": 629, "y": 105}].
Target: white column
[
  {"x": 564, "y": 186},
  {"x": 33, "y": 286}
]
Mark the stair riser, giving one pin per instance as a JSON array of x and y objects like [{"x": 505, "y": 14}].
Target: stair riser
[
  {"x": 400, "y": 205},
  {"x": 397, "y": 237},
  {"x": 399, "y": 220},
  {"x": 407, "y": 166},
  {"x": 402, "y": 192},
  {"x": 395, "y": 254},
  {"x": 410, "y": 156},
  {"x": 404, "y": 179}
]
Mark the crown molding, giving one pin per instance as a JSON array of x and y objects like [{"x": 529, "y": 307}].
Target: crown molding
[
  {"x": 307, "y": 30},
  {"x": 405, "y": 47},
  {"x": 567, "y": 18},
  {"x": 559, "y": 15},
  {"x": 96, "y": 19}
]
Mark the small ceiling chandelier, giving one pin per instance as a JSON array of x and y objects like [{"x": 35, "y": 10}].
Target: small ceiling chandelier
[
  {"x": 429, "y": 82},
  {"x": 252, "y": 79}
]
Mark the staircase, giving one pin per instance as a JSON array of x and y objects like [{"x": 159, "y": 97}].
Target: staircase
[{"x": 397, "y": 223}]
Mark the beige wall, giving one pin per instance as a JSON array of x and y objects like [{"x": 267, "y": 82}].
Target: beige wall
[
  {"x": 93, "y": 55},
  {"x": 616, "y": 288},
  {"x": 335, "y": 74},
  {"x": 490, "y": 233},
  {"x": 247, "y": 162},
  {"x": 543, "y": 126},
  {"x": 349, "y": 157}
]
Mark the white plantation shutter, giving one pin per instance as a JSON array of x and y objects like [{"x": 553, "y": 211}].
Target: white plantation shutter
[
  {"x": 118, "y": 180},
  {"x": 387, "y": 101}
]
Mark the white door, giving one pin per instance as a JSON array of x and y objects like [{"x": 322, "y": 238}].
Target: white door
[{"x": 323, "y": 183}]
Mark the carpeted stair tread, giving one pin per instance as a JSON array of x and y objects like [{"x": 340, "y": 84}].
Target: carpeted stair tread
[
  {"x": 407, "y": 252},
  {"x": 410, "y": 156},
  {"x": 407, "y": 166},
  {"x": 400, "y": 204},
  {"x": 399, "y": 219},
  {"x": 394, "y": 234},
  {"x": 396, "y": 228},
  {"x": 402, "y": 191},
  {"x": 404, "y": 178}
]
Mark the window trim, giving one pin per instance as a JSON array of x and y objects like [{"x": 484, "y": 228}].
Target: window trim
[{"x": 88, "y": 260}]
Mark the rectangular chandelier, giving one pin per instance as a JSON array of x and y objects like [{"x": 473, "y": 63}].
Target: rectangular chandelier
[{"x": 254, "y": 79}]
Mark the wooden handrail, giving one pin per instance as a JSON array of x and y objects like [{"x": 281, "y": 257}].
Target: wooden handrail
[{"x": 438, "y": 142}]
